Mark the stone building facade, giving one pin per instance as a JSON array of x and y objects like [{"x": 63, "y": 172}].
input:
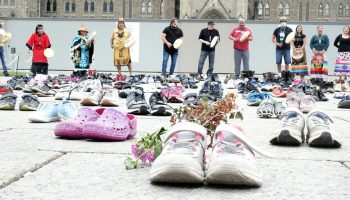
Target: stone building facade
[{"x": 265, "y": 10}]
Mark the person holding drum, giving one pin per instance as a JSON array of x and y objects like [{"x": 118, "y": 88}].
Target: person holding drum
[
  {"x": 172, "y": 38},
  {"x": 319, "y": 44},
  {"x": 209, "y": 37},
  {"x": 282, "y": 48},
  {"x": 241, "y": 35},
  {"x": 83, "y": 49},
  {"x": 3, "y": 39},
  {"x": 122, "y": 55},
  {"x": 299, "y": 63},
  {"x": 38, "y": 43}
]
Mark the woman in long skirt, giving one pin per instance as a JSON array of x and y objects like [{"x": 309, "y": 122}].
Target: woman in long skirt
[{"x": 299, "y": 63}]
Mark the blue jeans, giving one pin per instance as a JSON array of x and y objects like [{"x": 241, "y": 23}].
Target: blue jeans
[
  {"x": 285, "y": 54},
  {"x": 202, "y": 57},
  {"x": 165, "y": 62},
  {"x": 3, "y": 62}
]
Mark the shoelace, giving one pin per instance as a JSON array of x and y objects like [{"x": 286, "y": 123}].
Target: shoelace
[{"x": 290, "y": 121}]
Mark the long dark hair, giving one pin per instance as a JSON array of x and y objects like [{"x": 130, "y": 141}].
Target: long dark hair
[
  {"x": 38, "y": 26},
  {"x": 296, "y": 30}
]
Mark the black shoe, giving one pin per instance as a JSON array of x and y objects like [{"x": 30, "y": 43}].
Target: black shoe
[
  {"x": 216, "y": 91},
  {"x": 8, "y": 102},
  {"x": 241, "y": 87},
  {"x": 321, "y": 96},
  {"x": 158, "y": 104},
  {"x": 289, "y": 79},
  {"x": 215, "y": 77},
  {"x": 136, "y": 102},
  {"x": 323, "y": 86},
  {"x": 7, "y": 74},
  {"x": 29, "y": 103}
]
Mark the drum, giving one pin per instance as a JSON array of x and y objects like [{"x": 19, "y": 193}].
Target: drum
[
  {"x": 130, "y": 42},
  {"x": 290, "y": 38},
  {"x": 7, "y": 37},
  {"x": 49, "y": 53},
  {"x": 297, "y": 57},
  {"x": 244, "y": 36},
  {"x": 214, "y": 42},
  {"x": 177, "y": 44}
]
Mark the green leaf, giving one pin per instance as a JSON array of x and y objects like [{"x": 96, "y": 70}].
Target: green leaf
[
  {"x": 158, "y": 148},
  {"x": 130, "y": 164},
  {"x": 204, "y": 100}
]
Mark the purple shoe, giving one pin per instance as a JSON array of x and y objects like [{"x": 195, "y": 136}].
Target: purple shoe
[
  {"x": 73, "y": 129},
  {"x": 111, "y": 125}
]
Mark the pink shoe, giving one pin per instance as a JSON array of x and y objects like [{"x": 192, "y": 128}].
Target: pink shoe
[
  {"x": 175, "y": 95},
  {"x": 73, "y": 129},
  {"x": 111, "y": 125}
]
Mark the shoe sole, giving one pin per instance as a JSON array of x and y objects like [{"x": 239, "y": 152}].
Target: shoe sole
[
  {"x": 88, "y": 102},
  {"x": 143, "y": 110},
  {"x": 325, "y": 140},
  {"x": 233, "y": 176},
  {"x": 285, "y": 138},
  {"x": 43, "y": 120},
  {"x": 176, "y": 174},
  {"x": 27, "y": 108},
  {"x": 161, "y": 111},
  {"x": 108, "y": 103},
  {"x": 7, "y": 107}
]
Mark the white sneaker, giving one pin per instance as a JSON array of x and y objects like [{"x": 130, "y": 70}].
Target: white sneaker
[
  {"x": 230, "y": 84},
  {"x": 291, "y": 132},
  {"x": 111, "y": 98},
  {"x": 321, "y": 132},
  {"x": 233, "y": 161},
  {"x": 182, "y": 158}
]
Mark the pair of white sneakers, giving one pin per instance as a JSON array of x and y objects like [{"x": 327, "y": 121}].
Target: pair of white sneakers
[
  {"x": 183, "y": 160},
  {"x": 320, "y": 129}
]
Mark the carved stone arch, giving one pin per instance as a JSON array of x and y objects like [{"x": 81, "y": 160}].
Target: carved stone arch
[{"x": 212, "y": 14}]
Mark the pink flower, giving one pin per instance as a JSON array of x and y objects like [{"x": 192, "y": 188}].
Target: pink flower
[
  {"x": 144, "y": 157},
  {"x": 151, "y": 156},
  {"x": 135, "y": 150}
]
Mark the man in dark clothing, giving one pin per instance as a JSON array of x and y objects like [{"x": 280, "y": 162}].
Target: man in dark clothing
[
  {"x": 282, "y": 48},
  {"x": 205, "y": 37},
  {"x": 169, "y": 36}
]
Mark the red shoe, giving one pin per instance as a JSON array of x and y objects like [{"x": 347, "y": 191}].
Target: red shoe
[
  {"x": 118, "y": 78},
  {"x": 5, "y": 90},
  {"x": 123, "y": 78}
]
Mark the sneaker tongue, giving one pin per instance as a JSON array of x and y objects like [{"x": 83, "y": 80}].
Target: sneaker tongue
[
  {"x": 186, "y": 136},
  {"x": 289, "y": 115},
  {"x": 228, "y": 137},
  {"x": 320, "y": 117}
]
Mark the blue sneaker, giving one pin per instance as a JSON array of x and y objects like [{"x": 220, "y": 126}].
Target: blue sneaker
[
  {"x": 46, "y": 112},
  {"x": 255, "y": 98},
  {"x": 67, "y": 110}
]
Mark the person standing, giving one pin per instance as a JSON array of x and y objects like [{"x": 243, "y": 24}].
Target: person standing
[
  {"x": 169, "y": 36},
  {"x": 241, "y": 47},
  {"x": 299, "y": 63},
  {"x": 122, "y": 54},
  {"x": 319, "y": 44},
  {"x": 342, "y": 42},
  {"x": 282, "y": 48},
  {"x": 2, "y": 52},
  {"x": 38, "y": 42},
  {"x": 83, "y": 49},
  {"x": 205, "y": 37}
]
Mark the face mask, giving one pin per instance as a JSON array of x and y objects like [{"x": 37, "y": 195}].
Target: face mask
[{"x": 283, "y": 24}]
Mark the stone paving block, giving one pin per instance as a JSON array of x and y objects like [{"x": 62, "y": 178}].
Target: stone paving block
[{"x": 103, "y": 176}]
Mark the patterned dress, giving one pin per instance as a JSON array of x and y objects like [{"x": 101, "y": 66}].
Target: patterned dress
[
  {"x": 82, "y": 52},
  {"x": 342, "y": 63},
  {"x": 299, "y": 63},
  {"x": 121, "y": 53}
]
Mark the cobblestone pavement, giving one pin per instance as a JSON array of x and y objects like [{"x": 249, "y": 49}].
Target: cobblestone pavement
[{"x": 34, "y": 164}]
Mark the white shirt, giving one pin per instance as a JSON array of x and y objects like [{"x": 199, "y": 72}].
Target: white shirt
[{"x": 2, "y": 33}]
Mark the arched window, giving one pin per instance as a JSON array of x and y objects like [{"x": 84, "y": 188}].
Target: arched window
[
  {"x": 130, "y": 9},
  {"x": 92, "y": 6},
  {"x": 143, "y": 7},
  {"x": 104, "y": 9},
  {"x": 340, "y": 10},
  {"x": 149, "y": 7},
  {"x": 260, "y": 9},
  {"x": 13, "y": 2},
  {"x": 54, "y": 6},
  {"x": 6, "y": 2},
  {"x": 320, "y": 10},
  {"x": 162, "y": 7},
  {"x": 66, "y": 6},
  {"x": 280, "y": 9},
  {"x": 307, "y": 12},
  {"x": 286, "y": 9},
  {"x": 267, "y": 9},
  {"x": 111, "y": 7},
  {"x": 347, "y": 10},
  {"x": 86, "y": 6},
  {"x": 48, "y": 5},
  {"x": 326, "y": 10},
  {"x": 73, "y": 6}
]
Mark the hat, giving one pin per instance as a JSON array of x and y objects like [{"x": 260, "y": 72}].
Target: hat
[
  {"x": 283, "y": 18},
  {"x": 83, "y": 28},
  {"x": 211, "y": 22}
]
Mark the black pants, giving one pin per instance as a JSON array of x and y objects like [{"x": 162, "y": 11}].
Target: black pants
[{"x": 39, "y": 68}]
